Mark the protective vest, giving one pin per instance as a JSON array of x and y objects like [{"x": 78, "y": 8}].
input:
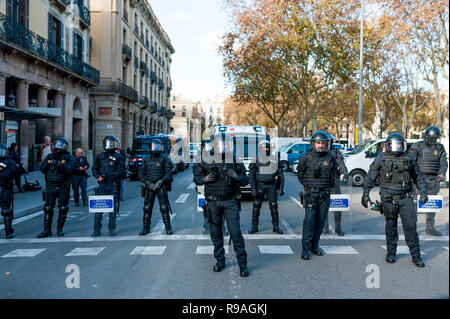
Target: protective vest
[
  {"x": 6, "y": 172},
  {"x": 428, "y": 158},
  {"x": 154, "y": 168},
  {"x": 265, "y": 178},
  {"x": 320, "y": 171},
  {"x": 395, "y": 173},
  {"x": 56, "y": 173},
  {"x": 109, "y": 163},
  {"x": 223, "y": 185}
]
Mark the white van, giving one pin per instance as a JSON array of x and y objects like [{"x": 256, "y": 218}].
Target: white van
[{"x": 358, "y": 160}]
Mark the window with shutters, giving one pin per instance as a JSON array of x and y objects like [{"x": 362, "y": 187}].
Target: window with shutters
[
  {"x": 78, "y": 46},
  {"x": 55, "y": 31},
  {"x": 17, "y": 11}
]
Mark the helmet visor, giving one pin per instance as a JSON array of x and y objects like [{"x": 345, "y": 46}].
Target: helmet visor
[
  {"x": 398, "y": 146},
  {"x": 156, "y": 147},
  {"x": 61, "y": 145},
  {"x": 322, "y": 146},
  {"x": 110, "y": 145}
]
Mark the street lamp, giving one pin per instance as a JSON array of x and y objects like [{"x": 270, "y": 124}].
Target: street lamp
[
  {"x": 348, "y": 124},
  {"x": 381, "y": 125}
]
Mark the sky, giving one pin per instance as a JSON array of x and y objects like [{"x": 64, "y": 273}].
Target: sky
[{"x": 195, "y": 28}]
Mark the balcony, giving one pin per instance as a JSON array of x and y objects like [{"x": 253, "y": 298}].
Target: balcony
[
  {"x": 125, "y": 15},
  {"x": 145, "y": 102},
  {"x": 62, "y": 4},
  {"x": 85, "y": 14},
  {"x": 161, "y": 111},
  {"x": 116, "y": 88},
  {"x": 147, "y": 43},
  {"x": 37, "y": 45},
  {"x": 136, "y": 30},
  {"x": 126, "y": 52},
  {"x": 153, "y": 107},
  {"x": 144, "y": 68},
  {"x": 169, "y": 114},
  {"x": 136, "y": 63},
  {"x": 153, "y": 77},
  {"x": 161, "y": 84}
]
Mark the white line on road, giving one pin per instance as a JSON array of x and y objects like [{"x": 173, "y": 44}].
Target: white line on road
[
  {"x": 191, "y": 186},
  {"x": 339, "y": 250},
  {"x": 297, "y": 202},
  {"x": 161, "y": 237},
  {"x": 403, "y": 250},
  {"x": 24, "y": 218},
  {"x": 160, "y": 227},
  {"x": 148, "y": 250},
  {"x": 446, "y": 248},
  {"x": 182, "y": 198},
  {"x": 287, "y": 226},
  {"x": 275, "y": 250},
  {"x": 92, "y": 251},
  {"x": 24, "y": 253},
  {"x": 209, "y": 250}
]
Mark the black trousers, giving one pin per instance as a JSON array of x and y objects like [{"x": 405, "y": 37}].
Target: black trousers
[
  {"x": 163, "y": 198},
  {"x": 228, "y": 210},
  {"x": 58, "y": 192},
  {"x": 79, "y": 181},
  {"x": 5, "y": 200},
  {"x": 315, "y": 216},
  {"x": 408, "y": 215},
  {"x": 270, "y": 190}
]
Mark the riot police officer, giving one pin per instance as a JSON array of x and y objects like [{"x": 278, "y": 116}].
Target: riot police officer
[
  {"x": 108, "y": 169},
  {"x": 58, "y": 168},
  {"x": 336, "y": 187},
  {"x": 8, "y": 171},
  {"x": 431, "y": 160},
  {"x": 222, "y": 179},
  {"x": 270, "y": 182},
  {"x": 396, "y": 171},
  {"x": 317, "y": 170},
  {"x": 156, "y": 173}
]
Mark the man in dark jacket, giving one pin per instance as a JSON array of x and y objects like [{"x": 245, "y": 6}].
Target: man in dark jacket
[{"x": 80, "y": 177}]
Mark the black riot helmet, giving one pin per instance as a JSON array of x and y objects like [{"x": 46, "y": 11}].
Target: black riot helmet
[
  {"x": 3, "y": 151},
  {"x": 110, "y": 143},
  {"x": 332, "y": 139},
  {"x": 61, "y": 145},
  {"x": 156, "y": 147},
  {"x": 396, "y": 144},
  {"x": 432, "y": 135},
  {"x": 264, "y": 147},
  {"x": 322, "y": 138}
]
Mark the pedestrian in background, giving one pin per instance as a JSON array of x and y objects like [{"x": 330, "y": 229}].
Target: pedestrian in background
[
  {"x": 45, "y": 149},
  {"x": 79, "y": 178}
]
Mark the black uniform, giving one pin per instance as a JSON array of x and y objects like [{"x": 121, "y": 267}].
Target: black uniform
[
  {"x": 265, "y": 183},
  {"x": 317, "y": 173},
  {"x": 111, "y": 166},
  {"x": 58, "y": 168},
  {"x": 8, "y": 171},
  {"x": 431, "y": 161},
  {"x": 221, "y": 202},
  {"x": 396, "y": 174},
  {"x": 156, "y": 168},
  {"x": 337, "y": 190}
]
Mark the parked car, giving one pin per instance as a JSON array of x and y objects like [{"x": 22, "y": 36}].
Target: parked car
[{"x": 291, "y": 152}]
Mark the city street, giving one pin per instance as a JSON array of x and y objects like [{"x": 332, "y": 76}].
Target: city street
[{"x": 180, "y": 266}]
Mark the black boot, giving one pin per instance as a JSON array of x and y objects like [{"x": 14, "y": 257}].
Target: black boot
[
  {"x": 255, "y": 221},
  {"x": 275, "y": 220},
  {"x": 9, "y": 231},
  {"x": 326, "y": 227},
  {"x": 97, "y": 224},
  {"x": 166, "y": 220},
  {"x": 146, "y": 224},
  {"x": 48, "y": 217},
  {"x": 61, "y": 221},
  {"x": 337, "y": 222},
  {"x": 243, "y": 271},
  {"x": 418, "y": 261},
  {"x": 112, "y": 224}
]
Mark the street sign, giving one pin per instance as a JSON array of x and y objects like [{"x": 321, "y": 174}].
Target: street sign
[
  {"x": 434, "y": 205},
  {"x": 339, "y": 203},
  {"x": 101, "y": 204},
  {"x": 200, "y": 200}
]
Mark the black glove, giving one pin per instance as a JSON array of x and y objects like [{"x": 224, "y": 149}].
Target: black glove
[
  {"x": 365, "y": 200},
  {"x": 152, "y": 187},
  {"x": 158, "y": 184},
  {"x": 281, "y": 192},
  {"x": 423, "y": 198},
  {"x": 211, "y": 177},
  {"x": 232, "y": 174}
]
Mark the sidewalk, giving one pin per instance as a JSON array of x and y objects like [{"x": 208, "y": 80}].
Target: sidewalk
[{"x": 31, "y": 202}]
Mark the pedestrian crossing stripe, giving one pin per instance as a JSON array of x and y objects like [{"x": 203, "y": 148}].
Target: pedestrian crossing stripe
[
  {"x": 24, "y": 253},
  {"x": 339, "y": 250},
  {"x": 446, "y": 248},
  {"x": 275, "y": 250},
  {"x": 403, "y": 250},
  {"x": 148, "y": 250},
  {"x": 93, "y": 251},
  {"x": 208, "y": 250}
]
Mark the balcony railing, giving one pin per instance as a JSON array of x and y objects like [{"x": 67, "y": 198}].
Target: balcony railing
[
  {"x": 169, "y": 114},
  {"x": 136, "y": 30},
  {"x": 153, "y": 107},
  {"x": 85, "y": 14},
  {"x": 62, "y": 4},
  {"x": 144, "y": 68},
  {"x": 161, "y": 84},
  {"x": 117, "y": 88},
  {"x": 153, "y": 77},
  {"x": 136, "y": 62},
  {"x": 125, "y": 15},
  {"x": 145, "y": 102},
  {"x": 161, "y": 111},
  {"x": 36, "y": 44},
  {"x": 126, "y": 51}
]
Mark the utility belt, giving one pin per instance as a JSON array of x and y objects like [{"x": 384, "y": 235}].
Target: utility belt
[
  {"x": 265, "y": 183},
  {"x": 388, "y": 207},
  {"x": 146, "y": 191},
  {"x": 388, "y": 198},
  {"x": 214, "y": 198},
  {"x": 316, "y": 189}
]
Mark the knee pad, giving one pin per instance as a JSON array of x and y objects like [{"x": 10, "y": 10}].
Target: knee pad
[
  {"x": 7, "y": 212},
  {"x": 48, "y": 209},
  {"x": 164, "y": 208},
  {"x": 257, "y": 204},
  {"x": 273, "y": 205},
  {"x": 64, "y": 210},
  {"x": 148, "y": 209}
]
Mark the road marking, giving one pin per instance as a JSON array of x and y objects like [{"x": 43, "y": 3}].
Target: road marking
[
  {"x": 191, "y": 186},
  {"x": 148, "y": 250},
  {"x": 24, "y": 218},
  {"x": 287, "y": 226},
  {"x": 160, "y": 227},
  {"x": 297, "y": 202},
  {"x": 24, "y": 253},
  {"x": 446, "y": 248},
  {"x": 161, "y": 237},
  {"x": 182, "y": 198},
  {"x": 403, "y": 250},
  {"x": 92, "y": 251},
  {"x": 209, "y": 250},
  {"x": 339, "y": 250},
  {"x": 275, "y": 250}
]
